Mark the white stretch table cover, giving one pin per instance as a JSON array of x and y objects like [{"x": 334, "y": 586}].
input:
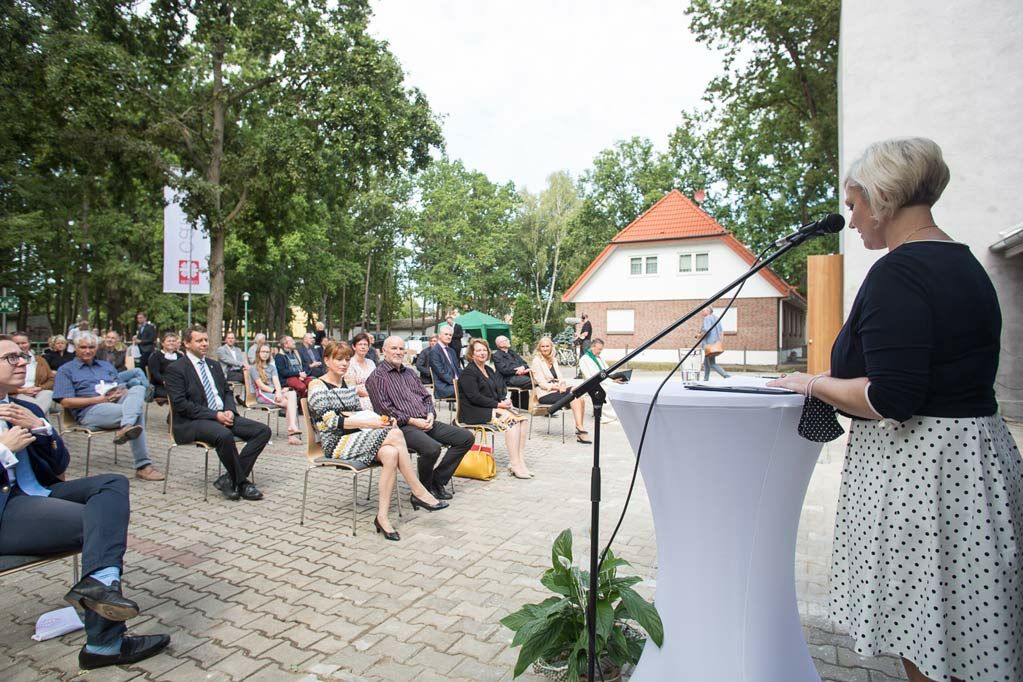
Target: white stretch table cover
[{"x": 726, "y": 474}]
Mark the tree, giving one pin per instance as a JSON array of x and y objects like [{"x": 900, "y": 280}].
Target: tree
[{"x": 523, "y": 331}]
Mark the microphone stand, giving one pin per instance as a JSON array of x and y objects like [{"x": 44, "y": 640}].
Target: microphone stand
[{"x": 592, "y": 388}]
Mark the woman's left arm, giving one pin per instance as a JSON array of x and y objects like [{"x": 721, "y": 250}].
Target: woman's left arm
[{"x": 848, "y": 395}]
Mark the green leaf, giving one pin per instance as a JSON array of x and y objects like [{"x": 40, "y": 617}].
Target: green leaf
[
  {"x": 562, "y": 550},
  {"x": 558, "y": 581},
  {"x": 605, "y": 621},
  {"x": 530, "y": 612},
  {"x": 644, "y": 613}
]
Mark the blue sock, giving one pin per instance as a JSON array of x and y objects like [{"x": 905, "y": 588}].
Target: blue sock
[
  {"x": 107, "y": 576},
  {"x": 108, "y": 650}
]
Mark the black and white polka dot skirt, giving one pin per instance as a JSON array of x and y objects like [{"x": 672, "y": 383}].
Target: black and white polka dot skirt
[{"x": 928, "y": 555}]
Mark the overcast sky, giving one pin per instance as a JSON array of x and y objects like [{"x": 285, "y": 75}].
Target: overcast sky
[{"x": 529, "y": 87}]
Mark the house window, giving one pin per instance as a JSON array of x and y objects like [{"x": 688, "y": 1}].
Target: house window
[
  {"x": 694, "y": 261},
  {"x": 730, "y": 321},
  {"x": 621, "y": 321},
  {"x": 643, "y": 265}
]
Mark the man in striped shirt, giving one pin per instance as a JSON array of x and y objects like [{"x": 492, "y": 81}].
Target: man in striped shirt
[{"x": 396, "y": 391}]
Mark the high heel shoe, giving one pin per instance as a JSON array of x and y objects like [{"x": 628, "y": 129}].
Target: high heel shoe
[
  {"x": 417, "y": 503},
  {"x": 580, "y": 439},
  {"x": 517, "y": 475},
  {"x": 581, "y": 432},
  {"x": 390, "y": 535}
]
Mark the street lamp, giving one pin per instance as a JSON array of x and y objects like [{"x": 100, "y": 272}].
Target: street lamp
[{"x": 245, "y": 297}]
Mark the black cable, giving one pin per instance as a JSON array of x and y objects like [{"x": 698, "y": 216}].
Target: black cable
[{"x": 646, "y": 422}]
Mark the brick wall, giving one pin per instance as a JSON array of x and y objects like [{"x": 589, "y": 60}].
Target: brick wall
[{"x": 757, "y": 323}]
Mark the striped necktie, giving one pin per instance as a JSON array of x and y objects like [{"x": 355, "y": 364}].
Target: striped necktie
[{"x": 213, "y": 400}]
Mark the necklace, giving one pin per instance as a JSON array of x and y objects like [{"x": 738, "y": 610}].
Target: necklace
[{"x": 922, "y": 227}]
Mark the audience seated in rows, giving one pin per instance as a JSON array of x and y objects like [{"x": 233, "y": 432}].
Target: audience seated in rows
[
  {"x": 484, "y": 399},
  {"x": 445, "y": 365},
  {"x": 232, "y": 359},
  {"x": 395, "y": 391},
  {"x": 550, "y": 385},
  {"x": 38, "y": 386},
  {"x": 351, "y": 434},
  {"x": 312, "y": 356},
  {"x": 113, "y": 351},
  {"x": 256, "y": 341},
  {"x": 360, "y": 367},
  {"x": 289, "y": 367},
  {"x": 159, "y": 361},
  {"x": 56, "y": 353},
  {"x": 513, "y": 368},
  {"x": 204, "y": 409},
  {"x": 121, "y": 408},
  {"x": 423, "y": 361},
  {"x": 41, "y": 514},
  {"x": 266, "y": 383}
]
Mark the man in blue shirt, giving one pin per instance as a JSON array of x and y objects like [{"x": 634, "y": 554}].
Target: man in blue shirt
[
  {"x": 40, "y": 515},
  {"x": 89, "y": 388},
  {"x": 712, "y": 325}
]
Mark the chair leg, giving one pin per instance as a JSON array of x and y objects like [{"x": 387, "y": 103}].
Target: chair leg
[
  {"x": 206, "y": 478},
  {"x": 115, "y": 453},
  {"x": 397, "y": 496},
  {"x": 166, "y": 471},
  {"x": 369, "y": 486},
  {"x": 305, "y": 491},
  {"x": 355, "y": 494},
  {"x": 88, "y": 452},
  {"x": 530, "y": 426},
  {"x": 74, "y": 569},
  {"x": 562, "y": 427}
]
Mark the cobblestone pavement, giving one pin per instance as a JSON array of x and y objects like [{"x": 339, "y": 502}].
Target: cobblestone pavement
[{"x": 248, "y": 593}]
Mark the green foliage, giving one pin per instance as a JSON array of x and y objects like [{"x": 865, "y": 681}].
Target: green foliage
[
  {"x": 555, "y": 629},
  {"x": 523, "y": 331}
]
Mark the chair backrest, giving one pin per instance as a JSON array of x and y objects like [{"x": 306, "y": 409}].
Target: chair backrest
[
  {"x": 249, "y": 393},
  {"x": 535, "y": 407},
  {"x": 67, "y": 420},
  {"x": 458, "y": 403},
  {"x": 313, "y": 448}
]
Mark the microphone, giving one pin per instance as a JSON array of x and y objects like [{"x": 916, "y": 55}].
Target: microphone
[{"x": 832, "y": 223}]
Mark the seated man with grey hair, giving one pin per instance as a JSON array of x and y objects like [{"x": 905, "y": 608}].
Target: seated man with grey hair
[
  {"x": 90, "y": 389},
  {"x": 514, "y": 370}
]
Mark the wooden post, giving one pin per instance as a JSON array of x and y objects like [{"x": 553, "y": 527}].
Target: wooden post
[{"x": 824, "y": 309}]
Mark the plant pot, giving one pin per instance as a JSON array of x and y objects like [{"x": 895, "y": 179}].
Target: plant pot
[{"x": 558, "y": 671}]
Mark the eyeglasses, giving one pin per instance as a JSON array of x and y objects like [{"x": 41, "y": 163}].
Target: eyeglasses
[{"x": 13, "y": 358}]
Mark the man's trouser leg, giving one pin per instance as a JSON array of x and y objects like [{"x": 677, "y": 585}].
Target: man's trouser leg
[
  {"x": 521, "y": 399},
  {"x": 426, "y": 448},
  {"x": 90, "y": 514},
  {"x": 132, "y": 377},
  {"x": 126, "y": 412},
  {"x": 255, "y": 435},
  {"x": 458, "y": 440}
]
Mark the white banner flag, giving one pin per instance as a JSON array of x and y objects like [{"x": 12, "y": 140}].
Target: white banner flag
[{"x": 186, "y": 250}]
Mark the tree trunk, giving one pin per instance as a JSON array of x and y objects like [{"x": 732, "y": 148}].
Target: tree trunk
[
  {"x": 217, "y": 228},
  {"x": 554, "y": 279},
  {"x": 344, "y": 317},
  {"x": 365, "y": 294}
]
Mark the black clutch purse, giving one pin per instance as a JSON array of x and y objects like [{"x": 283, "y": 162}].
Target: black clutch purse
[{"x": 818, "y": 422}]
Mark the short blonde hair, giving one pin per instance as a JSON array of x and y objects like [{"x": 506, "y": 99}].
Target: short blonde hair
[{"x": 891, "y": 174}]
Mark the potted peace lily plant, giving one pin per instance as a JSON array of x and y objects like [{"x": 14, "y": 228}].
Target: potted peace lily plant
[{"x": 552, "y": 634}]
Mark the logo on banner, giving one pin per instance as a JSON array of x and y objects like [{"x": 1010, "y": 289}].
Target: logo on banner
[{"x": 188, "y": 270}]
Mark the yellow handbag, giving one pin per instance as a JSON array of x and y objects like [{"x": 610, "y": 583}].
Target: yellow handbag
[{"x": 478, "y": 463}]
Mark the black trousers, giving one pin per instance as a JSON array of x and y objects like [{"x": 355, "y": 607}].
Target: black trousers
[
  {"x": 236, "y": 375},
  {"x": 237, "y": 464},
  {"x": 90, "y": 514},
  {"x": 428, "y": 444}
]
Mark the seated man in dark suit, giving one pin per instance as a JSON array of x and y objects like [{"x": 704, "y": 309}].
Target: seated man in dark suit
[
  {"x": 312, "y": 356},
  {"x": 423, "y": 361},
  {"x": 514, "y": 370},
  {"x": 40, "y": 514},
  {"x": 205, "y": 410},
  {"x": 444, "y": 364}
]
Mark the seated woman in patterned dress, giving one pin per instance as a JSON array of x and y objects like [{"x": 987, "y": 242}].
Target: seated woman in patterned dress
[
  {"x": 483, "y": 399},
  {"x": 360, "y": 437},
  {"x": 268, "y": 389}
]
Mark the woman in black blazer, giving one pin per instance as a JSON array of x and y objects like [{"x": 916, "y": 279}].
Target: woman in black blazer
[{"x": 483, "y": 400}]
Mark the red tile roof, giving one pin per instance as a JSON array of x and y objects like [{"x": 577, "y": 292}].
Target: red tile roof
[{"x": 674, "y": 217}]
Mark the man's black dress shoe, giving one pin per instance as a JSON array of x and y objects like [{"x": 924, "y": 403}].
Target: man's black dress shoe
[
  {"x": 440, "y": 493},
  {"x": 417, "y": 503},
  {"x": 249, "y": 491},
  {"x": 226, "y": 487},
  {"x": 133, "y": 650},
  {"x": 108, "y": 602}
]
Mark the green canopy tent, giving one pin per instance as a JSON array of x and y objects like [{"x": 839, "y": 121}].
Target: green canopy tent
[{"x": 481, "y": 325}]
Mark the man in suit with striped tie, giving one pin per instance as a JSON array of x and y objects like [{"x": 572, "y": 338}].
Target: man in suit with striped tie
[{"x": 205, "y": 410}]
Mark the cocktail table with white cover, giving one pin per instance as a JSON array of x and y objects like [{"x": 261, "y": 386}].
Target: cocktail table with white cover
[{"x": 725, "y": 474}]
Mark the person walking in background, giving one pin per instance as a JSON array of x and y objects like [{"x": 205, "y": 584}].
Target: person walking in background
[
  {"x": 711, "y": 344},
  {"x": 585, "y": 335},
  {"x": 927, "y": 557}
]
